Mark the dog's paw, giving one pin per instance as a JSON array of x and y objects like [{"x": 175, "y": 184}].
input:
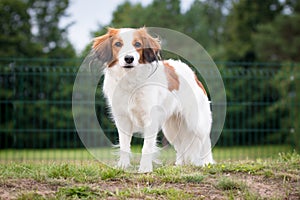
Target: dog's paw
[
  {"x": 145, "y": 168},
  {"x": 123, "y": 163},
  {"x": 179, "y": 162},
  {"x": 146, "y": 164}
]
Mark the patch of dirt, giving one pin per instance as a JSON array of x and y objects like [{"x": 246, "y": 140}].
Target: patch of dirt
[
  {"x": 204, "y": 190},
  {"x": 268, "y": 188},
  {"x": 10, "y": 189},
  {"x": 264, "y": 187}
]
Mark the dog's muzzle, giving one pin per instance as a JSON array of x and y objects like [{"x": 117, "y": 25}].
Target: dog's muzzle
[{"x": 129, "y": 61}]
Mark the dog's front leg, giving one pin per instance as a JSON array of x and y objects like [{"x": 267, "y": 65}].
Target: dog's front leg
[
  {"x": 125, "y": 135},
  {"x": 148, "y": 152},
  {"x": 150, "y": 134},
  {"x": 149, "y": 146}
]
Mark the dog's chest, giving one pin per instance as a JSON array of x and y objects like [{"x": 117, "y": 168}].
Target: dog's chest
[
  {"x": 132, "y": 105},
  {"x": 125, "y": 93}
]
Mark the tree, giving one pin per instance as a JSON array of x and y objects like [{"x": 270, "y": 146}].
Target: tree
[
  {"x": 242, "y": 23},
  {"x": 46, "y": 15},
  {"x": 279, "y": 40},
  {"x": 164, "y": 13},
  {"x": 256, "y": 31},
  {"x": 204, "y": 22},
  {"x": 16, "y": 38},
  {"x": 30, "y": 28},
  {"x": 128, "y": 15}
]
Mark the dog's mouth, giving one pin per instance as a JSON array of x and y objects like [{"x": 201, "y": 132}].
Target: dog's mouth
[{"x": 128, "y": 66}]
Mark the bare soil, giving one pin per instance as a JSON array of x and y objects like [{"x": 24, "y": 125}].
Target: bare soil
[{"x": 259, "y": 185}]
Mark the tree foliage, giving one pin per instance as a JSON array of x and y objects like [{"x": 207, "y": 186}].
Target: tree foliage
[
  {"x": 46, "y": 16},
  {"x": 279, "y": 40},
  {"x": 242, "y": 23},
  {"x": 15, "y": 33},
  {"x": 204, "y": 22},
  {"x": 233, "y": 30},
  {"x": 30, "y": 28}
]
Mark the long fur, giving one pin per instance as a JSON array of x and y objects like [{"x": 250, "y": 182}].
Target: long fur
[{"x": 148, "y": 95}]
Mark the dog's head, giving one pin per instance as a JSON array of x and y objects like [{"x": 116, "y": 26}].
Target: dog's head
[{"x": 126, "y": 47}]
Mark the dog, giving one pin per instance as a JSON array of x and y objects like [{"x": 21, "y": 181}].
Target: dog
[{"x": 147, "y": 94}]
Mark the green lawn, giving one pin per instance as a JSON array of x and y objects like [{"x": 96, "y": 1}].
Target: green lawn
[{"x": 219, "y": 153}]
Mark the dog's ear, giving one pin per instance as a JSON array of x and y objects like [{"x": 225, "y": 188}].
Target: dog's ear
[
  {"x": 151, "y": 46},
  {"x": 102, "y": 46}
]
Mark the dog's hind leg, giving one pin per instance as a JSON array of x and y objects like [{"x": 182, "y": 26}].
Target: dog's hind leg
[
  {"x": 206, "y": 151},
  {"x": 199, "y": 151},
  {"x": 172, "y": 130},
  {"x": 190, "y": 147}
]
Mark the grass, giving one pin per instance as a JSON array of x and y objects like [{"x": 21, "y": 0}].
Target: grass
[
  {"x": 229, "y": 184},
  {"x": 244, "y": 179},
  {"x": 77, "y": 192},
  {"x": 31, "y": 196},
  {"x": 169, "y": 193},
  {"x": 220, "y": 153}
]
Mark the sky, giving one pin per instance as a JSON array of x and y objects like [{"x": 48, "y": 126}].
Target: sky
[{"x": 88, "y": 14}]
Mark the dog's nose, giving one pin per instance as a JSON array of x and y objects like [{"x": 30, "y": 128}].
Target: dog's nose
[{"x": 128, "y": 59}]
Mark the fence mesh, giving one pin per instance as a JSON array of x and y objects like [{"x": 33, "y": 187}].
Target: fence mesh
[{"x": 36, "y": 119}]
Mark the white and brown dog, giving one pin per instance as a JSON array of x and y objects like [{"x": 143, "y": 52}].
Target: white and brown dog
[{"x": 146, "y": 94}]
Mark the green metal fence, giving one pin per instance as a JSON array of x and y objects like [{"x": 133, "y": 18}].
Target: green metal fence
[{"x": 36, "y": 119}]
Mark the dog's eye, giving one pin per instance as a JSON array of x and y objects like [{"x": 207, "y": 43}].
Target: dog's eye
[
  {"x": 118, "y": 44},
  {"x": 137, "y": 44}
]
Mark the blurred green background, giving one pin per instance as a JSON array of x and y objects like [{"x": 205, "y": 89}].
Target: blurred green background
[{"x": 255, "y": 44}]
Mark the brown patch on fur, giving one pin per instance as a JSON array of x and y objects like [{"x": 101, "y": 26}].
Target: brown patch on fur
[
  {"x": 99, "y": 40},
  {"x": 139, "y": 38},
  {"x": 200, "y": 85},
  {"x": 172, "y": 77},
  {"x": 104, "y": 49},
  {"x": 150, "y": 48}
]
